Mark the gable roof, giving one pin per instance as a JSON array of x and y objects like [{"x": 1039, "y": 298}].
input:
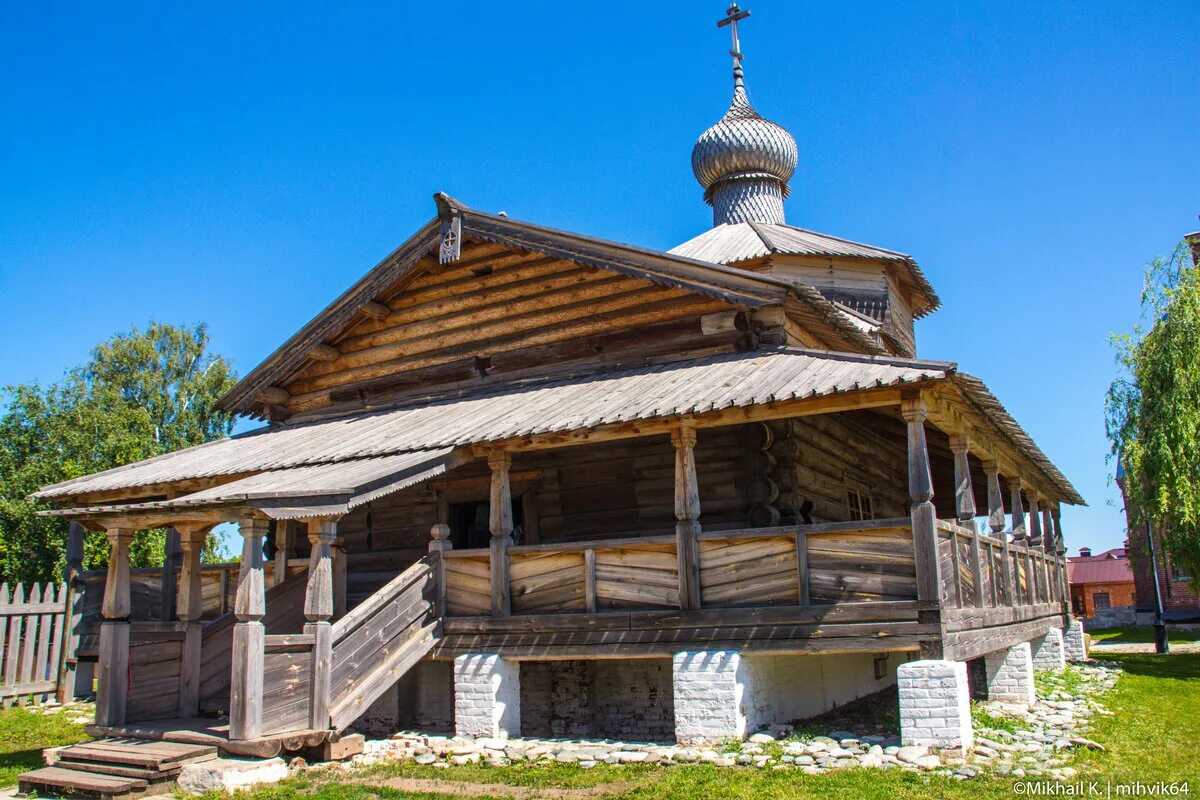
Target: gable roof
[
  {"x": 736, "y": 286},
  {"x": 745, "y": 241},
  {"x": 1111, "y": 566}
]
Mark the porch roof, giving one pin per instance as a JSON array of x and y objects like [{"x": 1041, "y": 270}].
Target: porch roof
[{"x": 564, "y": 405}]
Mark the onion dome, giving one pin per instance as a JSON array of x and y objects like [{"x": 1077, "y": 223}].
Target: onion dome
[{"x": 744, "y": 163}]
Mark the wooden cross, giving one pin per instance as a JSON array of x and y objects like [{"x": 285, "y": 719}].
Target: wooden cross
[{"x": 734, "y": 15}]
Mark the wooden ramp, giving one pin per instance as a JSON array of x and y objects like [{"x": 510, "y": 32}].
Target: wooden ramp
[{"x": 114, "y": 768}]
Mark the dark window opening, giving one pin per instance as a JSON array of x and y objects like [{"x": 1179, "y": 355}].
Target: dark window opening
[
  {"x": 859, "y": 503},
  {"x": 1101, "y": 599},
  {"x": 469, "y": 522}
]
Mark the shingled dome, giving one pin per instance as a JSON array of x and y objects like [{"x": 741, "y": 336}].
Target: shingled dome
[{"x": 744, "y": 163}]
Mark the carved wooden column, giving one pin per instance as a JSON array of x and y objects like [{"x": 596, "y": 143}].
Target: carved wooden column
[
  {"x": 439, "y": 542},
  {"x": 112, "y": 691},
  {"x": 687, "y": 516},
  {"x": 1048, "y": 544},
  {"x": 283, "y": 548},
  {"x": 922, "y": 512},
  {"x": 76, "y": 677},
  {"x": 339, "y": 578},
  {"x": 318, "y": 611},
  {"x": 964, "y": 504},
  {"x": 1018, "y": 537},
  {"x": 249, "y": 636},
  {"x": 1060, "y": 550},
  {"x": 502, "y": 528},
  {"x": 1037, "y": 588},
  {"x": 991, "y": 468},
  {"x": 172, "y": 560},
  {"x": 189, "y": 608}
]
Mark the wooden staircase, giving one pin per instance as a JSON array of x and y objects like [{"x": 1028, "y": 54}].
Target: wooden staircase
[
  {"x": 114, "y": 768},
  {"x": 382, "y": 638}
]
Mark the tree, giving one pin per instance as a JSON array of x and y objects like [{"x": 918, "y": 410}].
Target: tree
[
  {"x": 141, "y": 394},
  {"x": 1152, "y": 410}
]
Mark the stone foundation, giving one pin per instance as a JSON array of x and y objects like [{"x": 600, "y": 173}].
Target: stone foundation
[
  {"x": 1048, "y": 651},
  {"x": 711, "y": 690},
  {"x": 598, "y": 699},
  {"x": 1074, "y": 648},
  {"x": 935, "y": 705},
  {"x": 1010, "y": 674},
  {"x": 487, "y": 696}
]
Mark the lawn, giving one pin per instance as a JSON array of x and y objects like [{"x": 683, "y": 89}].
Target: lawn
[
  {"x": 23, "y": 734},
  {"x": 1141, "y": 634},
  {"x": 1154, "y": 737}
]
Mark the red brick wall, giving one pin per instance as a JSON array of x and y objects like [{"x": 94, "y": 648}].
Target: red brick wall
[
  {"x": 1177, "y": 595},
  {"x": 1083, "y": 601}
]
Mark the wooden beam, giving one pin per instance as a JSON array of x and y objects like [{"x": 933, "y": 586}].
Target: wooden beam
[
  {"x": 189, "y": 609},
  {"x": 112, "y": 689},
  {"x": 920, "y": 491},
  {"x": 324, "y": 353},
  {"x": 501, "y": 526},
  {"x": 376, "y": 311},
  {"x": 274, "y": 396},
  {"x": 687, "y": 515},
  {"x": 318, "y": 611},
  {"x": 439, "y": 542},
  {"x": 991, "y": 468},
  {"x": 249, "y": 636}
]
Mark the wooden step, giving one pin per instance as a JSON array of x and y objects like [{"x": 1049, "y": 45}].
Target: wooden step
[
  {"x": 137, "y": 753},
  {"x": 76, "y": 783},
  {"x": 121, "y": 771}
]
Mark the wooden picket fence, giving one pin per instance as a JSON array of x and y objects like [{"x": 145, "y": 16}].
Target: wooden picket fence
[{"x": 31, "y": 635}]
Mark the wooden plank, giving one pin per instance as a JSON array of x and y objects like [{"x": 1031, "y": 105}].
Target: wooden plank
[
  {"x": 803, "y": 594},
  {"x": 589, "y": 580}
]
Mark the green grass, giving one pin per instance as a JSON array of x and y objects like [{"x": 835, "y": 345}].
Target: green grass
[
  {"x": 1141, "y": 634},
  {"x": 23, "y": 734},
  {"x": 982, "y": 718},
  {"x": 1070, "y": 680}
]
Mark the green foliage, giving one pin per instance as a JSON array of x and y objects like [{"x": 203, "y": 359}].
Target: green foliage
[
  {"x": 1048, "y": 681},
  {"x": 140, "y": 394},
  {"x": 1152, "y": 410}
]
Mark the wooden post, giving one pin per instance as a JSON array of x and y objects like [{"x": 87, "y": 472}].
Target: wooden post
[
  {"x": 113, "y": 689},
  {"x": 172, "y": 558},
  {"x": 687, "y": 516},
  {"x": 318, "y": 611},
  {"x": 964, "y": 503},
  {"x": 71, "y": 673},
  {"x": 1048, "y": 544},
  {"x": 249, "y": 636},
  {"x": 439, "y": 542},
  {"x": 339, "y": 578},
  {"x": 501, "y": 526},
  {"x": 283, "y": 548},
  {"x": 1060, "y": 549},
  {"x": 1037, "y": 589},
  {"x": 189, "y": 608},
  {"x": 920, "y": 491},
  {"x": 991, "y": 468},
  {"x": 1019, "y": 541}
]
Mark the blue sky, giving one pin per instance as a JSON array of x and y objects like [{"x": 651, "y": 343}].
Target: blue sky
[{"x": 241, "y": 164}]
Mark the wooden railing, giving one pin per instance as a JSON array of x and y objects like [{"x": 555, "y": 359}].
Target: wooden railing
[
  {"x": 848, "y": 562},
  {"x": 980, "y": 571},
  {"x": 155, "y": 658},
  {"x": 382, "y": 638},
  {"x": 287, "y": 664}
]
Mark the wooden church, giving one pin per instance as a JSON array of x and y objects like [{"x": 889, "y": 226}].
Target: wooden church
[{"x": 519, "y": 480}]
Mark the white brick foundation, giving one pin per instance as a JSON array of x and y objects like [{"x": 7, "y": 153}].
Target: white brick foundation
[
  {"x": 711, "y": 689},
  {"x": 1048, "y": 650},
  {"x": 1010, "y": 674},
  {"x": 487, "y": 696},
  {"x": 1074, "y": 648},
  {"x": 935, "y": 705}
]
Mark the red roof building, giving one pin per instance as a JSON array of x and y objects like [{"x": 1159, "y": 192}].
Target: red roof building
[{"x": 1102, "y": 581}]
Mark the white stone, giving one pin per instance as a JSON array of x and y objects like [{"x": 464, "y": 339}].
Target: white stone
[
  {"x": 710, "y": 692},
  {"x": 1048, "y": 651},
  {"x": 230, "y": 774},
  {"x": 1010, "y": 674},
  {"x": 935, "y": 705},
  {"x": 487, "y": 696},
  {"x": 1074, "y": 646}
]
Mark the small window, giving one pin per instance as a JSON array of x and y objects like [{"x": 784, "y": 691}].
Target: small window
[
  {"x": 859, "y": 503},
  {"x": 1178, "y": 574},
  {"x": 1101, "y": 600}
]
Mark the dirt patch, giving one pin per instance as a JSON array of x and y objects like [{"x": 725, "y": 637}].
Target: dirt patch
[{"x": 468, "y": 789}]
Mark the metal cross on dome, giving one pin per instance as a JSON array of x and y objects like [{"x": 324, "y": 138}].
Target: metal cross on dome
[{"x": 734, "y": 15}]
